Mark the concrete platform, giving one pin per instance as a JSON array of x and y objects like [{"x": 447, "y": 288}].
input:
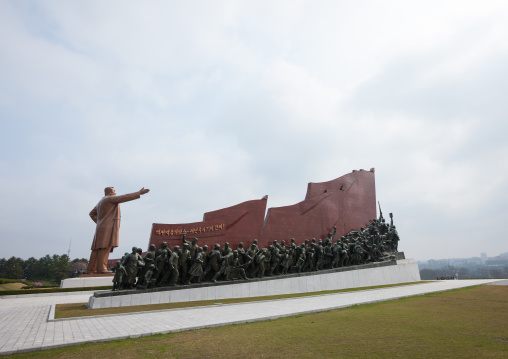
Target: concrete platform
[
  {"x": 87, "y": 282},
  {"x": 373, "y": 274},
  {"x": 500, "y": 282}
]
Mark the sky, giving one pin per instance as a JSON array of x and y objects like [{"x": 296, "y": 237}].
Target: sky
[{"x": 213, "y": 103}]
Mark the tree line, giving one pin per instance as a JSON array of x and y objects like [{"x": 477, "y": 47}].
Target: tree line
[
  {"x": 483, "y": 272},
  {"x": 49, "y": 268}
]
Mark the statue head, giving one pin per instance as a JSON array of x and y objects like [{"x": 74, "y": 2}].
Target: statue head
[
  {"x": 109, "y": 191},
  {"x": 226, "y": 245},
  {"x": 186, "y": 246},
  {"x": 205, "y": 248},
  {"x": 134, "y": 249},
  {"x": 140, "y": 251},
  {"x": 255, "y": 241},
  {"x": 152, "y": 247},
  {"x": 240, "y": 245},
  {"x": 164, "y": 244},
  {"x": 292, "y": 240},
  {"x": 176, "y": 248},
  {"x": 199, "y": 250},
  {"x": 194, "y": 240},
  {"x": 217, "y": 246}
]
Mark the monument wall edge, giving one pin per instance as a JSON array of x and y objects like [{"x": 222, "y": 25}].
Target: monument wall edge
[{"x": 404, "y": 272}]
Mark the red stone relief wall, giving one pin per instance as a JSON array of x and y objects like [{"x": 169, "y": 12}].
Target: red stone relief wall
[
  {"x": 234, "y": 224},
  {"x": 347, "y": 202}
]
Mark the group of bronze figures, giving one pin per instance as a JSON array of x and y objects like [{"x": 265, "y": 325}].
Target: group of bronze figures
[{"x": 193, "y": 264}]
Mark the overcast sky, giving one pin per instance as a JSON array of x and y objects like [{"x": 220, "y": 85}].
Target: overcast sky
[{"x": 213, "y": 103}]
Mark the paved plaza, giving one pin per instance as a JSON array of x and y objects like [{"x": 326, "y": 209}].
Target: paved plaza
[{"x": 27, "y": 323}]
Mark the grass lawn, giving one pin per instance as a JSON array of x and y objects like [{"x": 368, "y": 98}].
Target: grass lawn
[
  {"x": 464, "y": 323},
  {"x": 19, "y": 291},
  {"x": 11, "y": 286},
  {"x": 74, "y": 310}
]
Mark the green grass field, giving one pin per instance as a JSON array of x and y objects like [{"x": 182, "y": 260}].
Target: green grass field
[{"x": 464, "y": 323}]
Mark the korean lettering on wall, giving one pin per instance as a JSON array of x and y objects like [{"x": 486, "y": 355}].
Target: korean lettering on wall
[{"x": 194, "y": 230}]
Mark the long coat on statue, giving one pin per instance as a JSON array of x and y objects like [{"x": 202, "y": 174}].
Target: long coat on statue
[{"x": 107, "y": 216}]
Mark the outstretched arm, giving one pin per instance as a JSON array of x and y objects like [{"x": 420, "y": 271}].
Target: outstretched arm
[{"x": 128, "y": 197}]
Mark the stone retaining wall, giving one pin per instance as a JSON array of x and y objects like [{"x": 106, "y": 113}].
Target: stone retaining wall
[{"x": 397, "y": 271}]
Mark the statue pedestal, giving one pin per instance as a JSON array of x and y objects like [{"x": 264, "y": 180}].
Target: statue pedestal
[
  {"x": 110, "y": 274},
  {"x": 389, "y": 272},
  {"x": 88, "y": 280}
]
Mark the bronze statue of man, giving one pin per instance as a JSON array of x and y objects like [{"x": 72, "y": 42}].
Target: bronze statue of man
[{"x": 107, "y": 216}]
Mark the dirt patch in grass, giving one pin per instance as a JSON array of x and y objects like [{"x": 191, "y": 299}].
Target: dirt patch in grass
[
  {"x": 80, "y": 310},
  {"x": 465, "y": 323},
  {"x": 11, "y": 286}
]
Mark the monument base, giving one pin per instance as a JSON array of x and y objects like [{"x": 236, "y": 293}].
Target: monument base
[
  {"x": 88, "y": 281},
  {"x": 108, "y": 274},
  {"x": 390, "y": 272}
]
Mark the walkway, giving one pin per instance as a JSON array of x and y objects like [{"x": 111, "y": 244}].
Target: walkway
[{"x": 24, "y": 324}]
